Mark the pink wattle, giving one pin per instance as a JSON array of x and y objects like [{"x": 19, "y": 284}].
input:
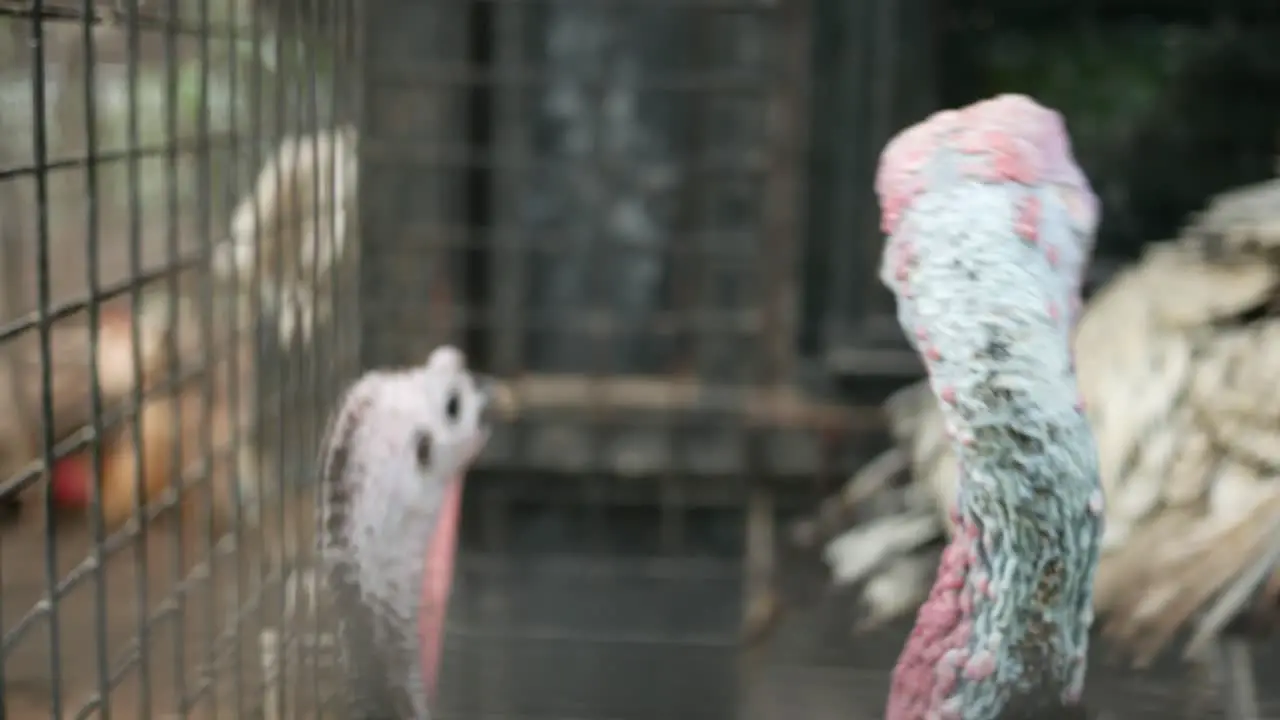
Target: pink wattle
[
  {"x": 936, "y": 651},
  {"x": 436, "y": 581}
]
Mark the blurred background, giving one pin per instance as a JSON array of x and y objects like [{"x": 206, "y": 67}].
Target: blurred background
[{"x": 654, "y": 219}]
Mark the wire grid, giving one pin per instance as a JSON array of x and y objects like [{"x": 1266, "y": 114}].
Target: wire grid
[
  {"x": 146, "y": 126},
  {"x": 603, "y": 203},
  {"x": 599, "y": 200},
  {"x": 568, "y": 205}
]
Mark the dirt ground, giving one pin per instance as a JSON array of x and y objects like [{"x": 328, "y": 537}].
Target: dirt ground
[{"x": 540, "y": 632}]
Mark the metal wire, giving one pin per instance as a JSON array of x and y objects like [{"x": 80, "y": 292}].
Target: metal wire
[
  {"x": 40, "y": 147},
  {"x": 143, "y": 370},
  {"x": 606, "y": 204},
  {"x": 602, "y": 202},
  {"x": 98, "y": 532}
]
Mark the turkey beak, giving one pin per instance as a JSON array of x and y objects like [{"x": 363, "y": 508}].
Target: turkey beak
[{"x": 498, "y": 402}]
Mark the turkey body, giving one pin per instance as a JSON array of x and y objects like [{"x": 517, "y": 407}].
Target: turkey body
[
  {"x": 21, "y": 426},
  {"x": 176, "y": 435},
  {"x": 291, "y": 230},
  {"x": 167, "y": 441},
  {"x": 1179, "y": 365}
]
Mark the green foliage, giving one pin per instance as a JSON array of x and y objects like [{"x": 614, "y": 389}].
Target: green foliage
[{"x": 1105, "y": 79}]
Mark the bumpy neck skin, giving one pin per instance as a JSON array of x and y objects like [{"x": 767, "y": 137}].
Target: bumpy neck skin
[
  {"x": 1004, "y": 633},
  {"x": 986, "y": 254}
]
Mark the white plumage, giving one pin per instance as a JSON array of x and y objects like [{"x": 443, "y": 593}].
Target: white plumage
[{"x": 294, "y": 227}]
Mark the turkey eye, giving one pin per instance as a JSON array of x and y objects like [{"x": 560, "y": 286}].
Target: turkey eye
[
  {"x": 453, "y": 406},
  {"x": 424, "y": 450}
]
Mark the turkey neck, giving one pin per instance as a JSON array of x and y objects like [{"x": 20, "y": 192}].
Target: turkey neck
[
  {"x": 403, "y": 586},
  {"x": 1004, "y": 632},
  {"x": 1005, "y": 629}
]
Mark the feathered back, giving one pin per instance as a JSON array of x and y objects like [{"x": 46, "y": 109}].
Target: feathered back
[
  {"x": 1240, "y": 224},
  {"x": 294, "y": 226}
]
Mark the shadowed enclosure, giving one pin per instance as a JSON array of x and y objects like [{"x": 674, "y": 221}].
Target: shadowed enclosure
[{"x": 652, "y": 219}]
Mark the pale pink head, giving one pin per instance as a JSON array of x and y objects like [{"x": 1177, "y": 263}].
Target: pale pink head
[
  {"x": 1009, "y": 138},
  {"x": 394, "y": 459}
]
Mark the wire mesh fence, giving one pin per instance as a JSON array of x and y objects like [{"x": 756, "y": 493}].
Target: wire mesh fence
[
  {"x": 652, "y": 218},
  {"x": 174, "y": 222},
  {"x": 599, "y": 200}
]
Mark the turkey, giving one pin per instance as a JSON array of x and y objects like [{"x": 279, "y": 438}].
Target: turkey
[
  {"x": 1178, "y": 361},
  {"x": 990, "y": 225},
  {"x": 163, "y": 444},
  {"x": 391, "y": 473},
  {"x": 291, "y": 230}
]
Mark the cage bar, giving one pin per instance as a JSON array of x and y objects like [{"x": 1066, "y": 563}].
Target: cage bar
[
  {"x": 652, "y": 219},
  {"x": 141, "y": 544}
]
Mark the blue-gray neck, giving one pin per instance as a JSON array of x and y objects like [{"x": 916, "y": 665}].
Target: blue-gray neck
[
  {"x": 1006, "y": 626},
  {"x": 1031, "y": 512}
]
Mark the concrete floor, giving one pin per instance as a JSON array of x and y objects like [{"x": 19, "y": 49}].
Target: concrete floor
[
  {"x": 542, "y": 635},
  {"x": 543, "y": 631},
  {"x": 635, "y": 640}
]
